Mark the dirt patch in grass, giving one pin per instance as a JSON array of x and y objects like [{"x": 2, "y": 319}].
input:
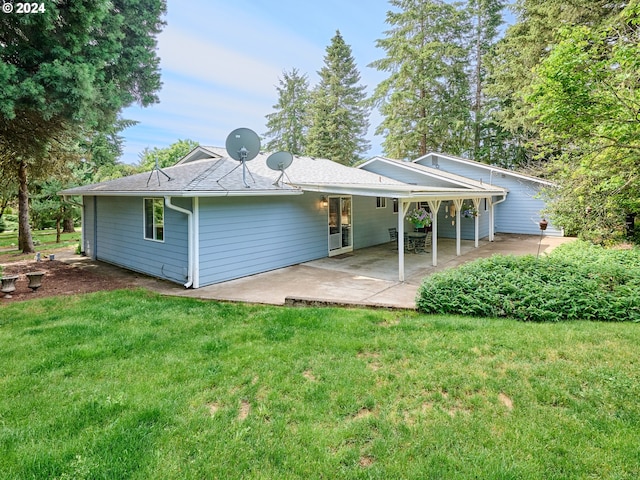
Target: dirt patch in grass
[
  {"x": 75, "y": 275},
  {"x": 245, "y": 408},
  {"x": 59, "y": 279}
]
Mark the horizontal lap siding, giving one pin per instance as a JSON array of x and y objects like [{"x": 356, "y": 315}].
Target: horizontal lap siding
[
  {"x": 120, "y": 239},
  {"x": 447, "y": 229},
  {"x": 520, "y": 212},
  {"x": 243, "y": 236},
  {"x": 370, "y": 224}
]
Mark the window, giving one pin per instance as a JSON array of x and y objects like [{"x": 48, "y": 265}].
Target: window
[
  {"x": 395, "y": 205},
  {"x": 154, "y": 219},
  {"x": 381, "y": 202}
]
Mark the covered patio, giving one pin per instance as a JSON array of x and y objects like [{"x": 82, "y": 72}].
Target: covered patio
[{"x": 366, "y": 277}]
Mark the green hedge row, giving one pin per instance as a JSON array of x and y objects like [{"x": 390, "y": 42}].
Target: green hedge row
[{"x": 577, "y": 281}]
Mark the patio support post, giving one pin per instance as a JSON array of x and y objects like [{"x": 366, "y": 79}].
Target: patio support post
[
  {"x": 434, "y": 205},
  {"x": 404, "y": 207},
  {"x": 476, "y": 205},
  {"x": 458, "y": 203}
]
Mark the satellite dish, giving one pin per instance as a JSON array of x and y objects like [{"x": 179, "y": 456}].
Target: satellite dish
[
  {"x": 279, "y": 162},
  {"x": 243, "y": 144}
]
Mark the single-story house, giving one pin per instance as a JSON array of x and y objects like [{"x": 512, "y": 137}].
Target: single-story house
[{"x": 209, "y": 218}]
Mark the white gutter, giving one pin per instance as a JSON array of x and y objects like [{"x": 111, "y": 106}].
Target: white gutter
[{"x": 190, "y": 242}]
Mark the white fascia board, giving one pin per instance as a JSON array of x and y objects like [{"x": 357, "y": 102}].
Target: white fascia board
[
  {"x": 437, "y": 174},
  {"x": 403, "y": 191},
  {"x": 488, "y": 167}
]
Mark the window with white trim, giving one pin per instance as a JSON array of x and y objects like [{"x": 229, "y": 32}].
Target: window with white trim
[
  {"x": 381, "y": 202},
  {"x": 154, "y": 219}
]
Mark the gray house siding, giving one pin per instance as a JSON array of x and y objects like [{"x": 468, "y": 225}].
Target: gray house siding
[
  {"x": 447, "y": 229},
  {"x": 521, "y": 211},
  {"x": 121, "y": 239},
  {"x": 243, "y": 236},
  {"x": 371, "y": 224}
]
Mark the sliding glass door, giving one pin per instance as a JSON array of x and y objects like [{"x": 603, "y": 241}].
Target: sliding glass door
[{"x": 340, "y": 226}]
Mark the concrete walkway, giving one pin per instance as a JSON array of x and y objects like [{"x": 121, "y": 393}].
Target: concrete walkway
[{"x": 366, "y": 277}]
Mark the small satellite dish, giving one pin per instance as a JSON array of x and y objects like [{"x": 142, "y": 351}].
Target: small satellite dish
[
  {"x": 279, "y": 162},
  {"x": 243, "y": 145}
]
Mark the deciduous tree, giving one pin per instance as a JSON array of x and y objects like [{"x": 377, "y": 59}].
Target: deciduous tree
[
  {"x": 166, "y": 157},
  {"x": 585, "y": 101}
]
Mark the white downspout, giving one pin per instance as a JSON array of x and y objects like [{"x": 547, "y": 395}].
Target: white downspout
[
  {"x": 492, "y": 217},
  {"x": 190, "y": 241}
]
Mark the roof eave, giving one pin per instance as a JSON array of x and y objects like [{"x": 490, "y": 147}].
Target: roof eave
[{"x": 186, "y": 194}]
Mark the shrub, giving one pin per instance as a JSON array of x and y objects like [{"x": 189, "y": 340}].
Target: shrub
[{"x": 577, "y": 281}]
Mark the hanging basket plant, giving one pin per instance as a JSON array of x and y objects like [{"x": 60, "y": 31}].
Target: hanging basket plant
[
  {"x": 469, "y": 211},
  {"x": 419, "y": 218}
]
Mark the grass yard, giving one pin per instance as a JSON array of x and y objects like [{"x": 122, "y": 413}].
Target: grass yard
[
  {"x": 43, "y": 239},
  {"x": 129, "y": 384}
]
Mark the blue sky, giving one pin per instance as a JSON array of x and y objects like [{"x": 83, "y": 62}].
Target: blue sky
[{"x": 221, "y": 64}]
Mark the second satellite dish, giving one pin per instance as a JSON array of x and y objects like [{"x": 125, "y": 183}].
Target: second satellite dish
[
  {"x": 243, "y": 144},
  {"x": 279, "y": 161}
]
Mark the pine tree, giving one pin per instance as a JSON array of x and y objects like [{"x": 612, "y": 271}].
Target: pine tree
[
  {"x": 486, "y": 16},
  {"x": 339, "y": 115},
  {"x": 289, "y": 124},
  {"x": 425, "y": 100}
]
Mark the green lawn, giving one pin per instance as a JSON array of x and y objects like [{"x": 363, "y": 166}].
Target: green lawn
[
  {"x": 133, "y": 385},
  {"x": 43, "y": 239}
]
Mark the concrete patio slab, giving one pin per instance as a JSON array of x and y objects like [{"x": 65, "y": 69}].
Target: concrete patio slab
[{"x": 366, "y": 277}]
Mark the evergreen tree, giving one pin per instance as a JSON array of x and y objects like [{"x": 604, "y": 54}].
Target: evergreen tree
[
  {"x": 339, "y": 115},
  {"x": 66, "y": 71},
  {"x": 486, "y": 16},
  {"x": 289, "y": 124},
  {"x": 425, "y": 100}
]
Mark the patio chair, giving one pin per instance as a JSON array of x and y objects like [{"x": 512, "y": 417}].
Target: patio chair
[
  {"x": 393, "y": 235},
  {"x": 409, "y": 244}
]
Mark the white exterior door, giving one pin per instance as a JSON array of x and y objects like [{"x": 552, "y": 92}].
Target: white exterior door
[{"x": 340, "y": 225}]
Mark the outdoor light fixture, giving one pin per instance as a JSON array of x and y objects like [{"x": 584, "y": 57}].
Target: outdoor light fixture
[{"x": 323, "y": 201}]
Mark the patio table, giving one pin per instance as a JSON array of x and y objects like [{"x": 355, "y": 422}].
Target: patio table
[{"x": 418, "y": 239}]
